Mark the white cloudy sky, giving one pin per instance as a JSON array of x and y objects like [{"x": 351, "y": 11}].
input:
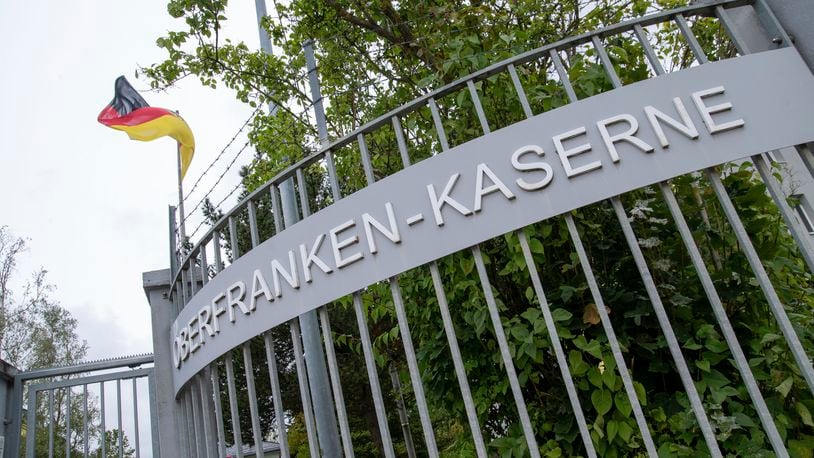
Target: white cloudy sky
[{"x": 93, "y": 202}]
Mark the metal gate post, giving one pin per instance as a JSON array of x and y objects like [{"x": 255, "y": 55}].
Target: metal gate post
[{"x": 156, "y": 287}]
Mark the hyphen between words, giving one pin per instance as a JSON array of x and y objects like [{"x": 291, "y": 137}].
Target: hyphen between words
[{"x": 350, "y": 241}]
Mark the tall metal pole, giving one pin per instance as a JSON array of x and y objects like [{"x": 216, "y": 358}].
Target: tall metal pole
[
  {"x": 181, "y": 214},
  {"x": 327, "y": 429}
]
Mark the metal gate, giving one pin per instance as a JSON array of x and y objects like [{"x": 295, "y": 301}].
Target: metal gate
[
  {"x": 103, "y": 408},
  {"x": 227, "y": 312}
]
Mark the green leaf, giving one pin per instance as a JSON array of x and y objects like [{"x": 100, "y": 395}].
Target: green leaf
[
  {"x": 622, "y": 403},
  {"x": 805, "y": 414},
  {"x": 703, "y": 365},
  {"x": 602, "y": 401},
  {"x": 612, "y": 428},
  {"x": 785, "y": 387},
  {"x": 625, "y": 431},
  {"x": 561, "y": 315}
]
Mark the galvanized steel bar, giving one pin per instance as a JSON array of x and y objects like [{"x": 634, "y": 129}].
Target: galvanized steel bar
[
  {"x": 457, "y": 361},
  {"x": 802, "y": 238},
  {"x": 233, "y": 239},
  {"x": 214, "y": 378},
  {"x": 518, "y": 87},
  {"x": 85, "y": 443},
  {"x": 277, "y": 397},
  {"x": 564, "y": 80},
  {"x": 255, "y": 236},
  {"x": 68, "y": 423},
  {"x": 51, "y": 424},
  {"x": 302, "y": 378},
  {"x": 332, "y": 178},
  {"x": 373, "y": 376},
  {"x": 723, "y": 321},
  {"x": 554, "y": 336},
  {"x": 505, "y": 354},
  {"x": 366, "y": 164},
  {"x": 473, "y": 92},
  {"x": 412, "y": 366},
  {"x": 119, "y": 416},
  {"x": 193, "y": 283},
  {"x": 653, "y": 294},
  {"x": 31, "y": 424},
  {"x": 439, "y": 126},
  {"x": 184, "y": 289},
  {"x": 216, "y": 243},
  {"x": 667, "y": 329},
  {"x": 276, "y": 210},
  {"x": 151, "y": 388},
  {"x": 619, "y": 358},
  {"x": 103, "y": 425},
  {"x": 208, "y": 412},
  {"x": 405, "y": 155},
  {"x": 251, "y": 392},
  {"x": 808, "y": 159},
  {"x": 194, "y": 420},
  {"x": 135, "y": 418},
  {"x": 230, "y": 388},
  {"x": 204, "y": 265},
  {"x": 336, "y": 383},
  {"x": 303, "y": 192}
]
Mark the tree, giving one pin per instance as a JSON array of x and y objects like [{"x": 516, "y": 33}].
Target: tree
[{"x": 375, "y": 56}]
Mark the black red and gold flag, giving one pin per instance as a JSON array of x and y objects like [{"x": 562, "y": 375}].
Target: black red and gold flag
[{"x": 129, "y": 112}]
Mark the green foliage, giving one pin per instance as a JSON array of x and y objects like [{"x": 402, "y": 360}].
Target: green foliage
[{"x": 375, "y": 57}]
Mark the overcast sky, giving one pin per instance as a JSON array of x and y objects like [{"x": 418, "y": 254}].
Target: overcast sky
[{"x": 93, "y": 202}]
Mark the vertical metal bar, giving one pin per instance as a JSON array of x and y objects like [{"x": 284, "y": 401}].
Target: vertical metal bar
[
  {"x": 276, "y": 210},
  {"x": 51, "y": 424},
  {"x": 215, "y": 380},
  {"x": 182, "y": 426},
  {"x": 255, "y": 236},
  {"x": 723, "y": 321},
  {"x": 204, "y": 265},
  {"x": 562, "y": 362},
  {"x": 653, "y": 295},
  {"x": 173, "y": 243},
  {"x": 439, "y": 126},
  {"x": 193, "y": 283},
  {"x": 373, "y": 376},
  {"x": 153, "y": 414},
  {"x": 195, "y": 420},
  {"x": 808, "y": 159},
  {"x": 412, "y": 366},
  {"x": 251, "y": 392},
  {"x": 103, "y": 425},
  {"x": 302, "y": 378},
  {"x": 67, "y": 423},
  {"x": 771, "y": 23},
  {"x": 119, "y": 411},
  {"x": 404, "y": 419},
  {"x": 518, "y": 87},
  {"x": 274, "y": 377},
  {"x": 230, "y": 386},
  {"x": 31, "y": 424},
  {"x": 457, "y": 360},
  {"x": 505, "y": 353},
  {"x": 731, "y": 30},
  {"x": 695, "y": 47},
  {"x": 85, "y": 444},
  {"x": 135, "y": 418},
  {"x": 658, "y": 69},
  {"x": 303, "y": 191},
  {"x": 332, "y": 180},
  {"x": 233, "y": 239},
  {"x": 564, "y": 80},
  {"x": 803, "y": 361},
  {"x": 216, "y": 243},
  {"x": 183, "y": 290},
  {"x": 336, "y": 383},
  {"x": 405, "y": 154},
  {"x": 667, "y": 329},
  {"x": 366, "y": 164},
  {"x": 473, "y": 92},
  {"x": 208, "y": 417},
  {"x": 606, "y": 62},
  {"x": 614, "y": 343}
]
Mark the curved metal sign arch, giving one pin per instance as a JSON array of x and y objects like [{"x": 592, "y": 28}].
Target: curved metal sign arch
[{"x": 548, "y": 165}]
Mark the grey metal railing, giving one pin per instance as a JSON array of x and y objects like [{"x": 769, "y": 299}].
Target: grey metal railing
[{"x": 194, "y": 270}]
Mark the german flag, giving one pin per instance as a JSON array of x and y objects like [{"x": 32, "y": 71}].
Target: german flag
[{"x": 129, "y": 112}]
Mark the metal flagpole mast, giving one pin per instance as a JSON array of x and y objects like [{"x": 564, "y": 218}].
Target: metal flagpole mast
[
  {"x": 322, "y": 400},
  {"x": 181, "y": 215}
]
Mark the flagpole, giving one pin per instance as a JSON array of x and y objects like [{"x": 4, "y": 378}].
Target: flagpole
[{"x": 181, "y": 214}]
